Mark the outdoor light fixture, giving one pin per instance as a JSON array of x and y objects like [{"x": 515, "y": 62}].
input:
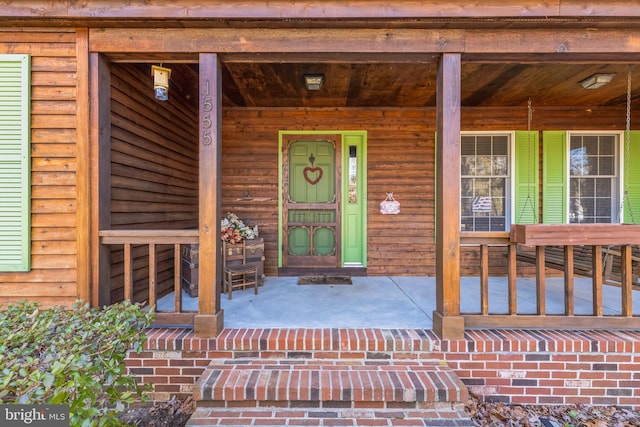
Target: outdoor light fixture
[
  {"x": 161, "y": 82},
  {"x": 597, "y": 80},
  {"x": 313, "y": 81}
]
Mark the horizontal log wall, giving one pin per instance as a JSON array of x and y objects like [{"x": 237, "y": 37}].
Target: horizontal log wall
[
  {"x": 154, "y": 181},
  {"x": 401, "y": 160},
  {"x": 53, "y": 275}
]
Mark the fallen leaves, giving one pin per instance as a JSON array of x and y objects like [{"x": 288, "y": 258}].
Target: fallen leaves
[{"x": 498, "y": 414}]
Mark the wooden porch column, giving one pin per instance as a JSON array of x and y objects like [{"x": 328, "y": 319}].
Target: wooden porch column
[
  {"x": 210, "y": 318},
  {"x": 447, "y": 322},
  {"x": 100, "y": 189}
]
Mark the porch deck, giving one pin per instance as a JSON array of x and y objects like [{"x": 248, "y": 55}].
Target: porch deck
[{"x": 389, "y": 302}]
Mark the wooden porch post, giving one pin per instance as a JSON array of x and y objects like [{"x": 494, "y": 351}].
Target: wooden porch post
[
  {"x": 209, "y": 320},
  {"x": 100, "y": 154},
  {"x": 447, "y": 322}
]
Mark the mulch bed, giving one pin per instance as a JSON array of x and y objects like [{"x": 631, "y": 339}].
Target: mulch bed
[
  {"x": 176, "y": 413},
  {"x": 500, "y": 414}
]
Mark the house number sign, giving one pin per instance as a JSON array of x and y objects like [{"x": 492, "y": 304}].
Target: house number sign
[{"x": 207, "y": 107}]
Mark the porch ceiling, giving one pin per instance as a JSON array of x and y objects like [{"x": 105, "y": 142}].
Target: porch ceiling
[{"x": 412, "y": 83}]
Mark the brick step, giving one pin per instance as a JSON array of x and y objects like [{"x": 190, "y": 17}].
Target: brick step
[
  {"x": 262, "y": 417},
  {"x": 357, "y": 383}
]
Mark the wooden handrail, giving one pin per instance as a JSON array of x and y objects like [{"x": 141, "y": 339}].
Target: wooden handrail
[
  {"x": 158, "y": 237},
  {"x": 575, "y": 234},
  {"x": 491, "y": 238},
  {"x": 153, "y": 238}
]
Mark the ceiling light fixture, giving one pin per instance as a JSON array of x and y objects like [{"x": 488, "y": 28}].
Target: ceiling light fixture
[
  {"x": 597, "y": 80},
  {"x": 313, "y": 81},
  {"x": 161, "y": 77}
]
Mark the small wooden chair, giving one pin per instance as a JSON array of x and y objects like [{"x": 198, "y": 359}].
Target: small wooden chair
[{"x": 236, "y": 272}]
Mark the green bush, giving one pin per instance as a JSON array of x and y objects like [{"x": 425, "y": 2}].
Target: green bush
[{"x": 74, "y": 357}]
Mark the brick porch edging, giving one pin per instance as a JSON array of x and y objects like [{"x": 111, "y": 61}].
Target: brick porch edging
[{"x": 513, "y": 366}]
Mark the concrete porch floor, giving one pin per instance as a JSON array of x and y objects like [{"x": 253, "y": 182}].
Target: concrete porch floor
[{"x": 385, "y": 302}]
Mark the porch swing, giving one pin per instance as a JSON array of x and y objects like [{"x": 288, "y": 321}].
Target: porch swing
[{"x": 580, "y": 239}]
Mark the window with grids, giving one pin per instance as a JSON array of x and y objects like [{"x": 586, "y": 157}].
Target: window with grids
[
  {"x": 485, "y": 178},
  {"x": 593, "y": 178}
]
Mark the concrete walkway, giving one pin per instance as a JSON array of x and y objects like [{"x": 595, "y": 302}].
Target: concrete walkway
[{"x": 385, "y": 302}]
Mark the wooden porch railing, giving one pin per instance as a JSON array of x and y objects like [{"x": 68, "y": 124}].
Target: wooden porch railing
[
  {"x": 600, "y": 237},
  {"x": 153, "y": 238}
]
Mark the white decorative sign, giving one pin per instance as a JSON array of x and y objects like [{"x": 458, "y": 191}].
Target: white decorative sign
[{"x": 389, "y": 206}]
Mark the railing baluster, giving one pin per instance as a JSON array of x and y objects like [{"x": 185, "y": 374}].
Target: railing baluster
[
  {"x": 572, "y": 260},
  {"x": 153, "y": 275},
  {"x": 596, "y": 262},
  {"x": 159, "y": 244},
  {"x": 512, "y": 279},
  {"x": 176, "y": 278},
  {"x": 568, "y": 281},
  {"x": 626, "y": 277},
  {"x": 484, "y": 279},
  {"x": 541, "y": 302},
  {"x": 128, "y": 272}
]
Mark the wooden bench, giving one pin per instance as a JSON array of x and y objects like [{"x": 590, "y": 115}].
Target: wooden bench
[{"x": 582, "y": 261}]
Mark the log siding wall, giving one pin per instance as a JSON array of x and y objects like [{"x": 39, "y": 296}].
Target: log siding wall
[
  {"x": 401, "y": 160},
  {"x": 53, "y": 275},
  {"x": 155, "y": 176},
  {"x": 154, "y": 164}
]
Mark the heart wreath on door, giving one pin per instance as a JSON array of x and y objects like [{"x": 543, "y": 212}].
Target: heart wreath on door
[{"x": 312, "y": 175}]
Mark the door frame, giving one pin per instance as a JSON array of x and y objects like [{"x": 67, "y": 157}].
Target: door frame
[{"x": 349, "y": 138}]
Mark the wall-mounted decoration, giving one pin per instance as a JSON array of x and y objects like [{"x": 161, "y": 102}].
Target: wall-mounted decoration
[
  {"x": 389, "y": 206},
  {"x": 313, "y": 173}
]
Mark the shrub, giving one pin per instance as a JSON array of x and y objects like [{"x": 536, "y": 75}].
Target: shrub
[{"x": 74, "y": 357}]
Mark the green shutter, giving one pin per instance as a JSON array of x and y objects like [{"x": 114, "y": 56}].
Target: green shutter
[
  {"x": 554, "y": 177},
  {"x": 526, "y": 177},
  {"x": 15, "y": 194},
  {"x": 632, "y": 201}
]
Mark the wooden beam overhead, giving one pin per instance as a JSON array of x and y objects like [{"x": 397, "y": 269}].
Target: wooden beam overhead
[
  {"x": 292, "y": 40},
  {"x": 339, "y": 41},
  {"x": 282, "y": 9}
]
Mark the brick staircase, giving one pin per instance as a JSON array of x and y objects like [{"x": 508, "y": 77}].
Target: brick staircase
[{"x": 329, "y": 392}]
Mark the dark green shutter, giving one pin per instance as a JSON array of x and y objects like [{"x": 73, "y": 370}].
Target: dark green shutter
[
  {"x": 632, "y": 202},
  {"x": 554, "y": 177},
  {"x": 526, "y": 177},
  {"x": 15, "y": 195}
]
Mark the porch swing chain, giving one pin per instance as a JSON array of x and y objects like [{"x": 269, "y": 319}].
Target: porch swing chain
[
  {"x": 627, "y": 143},
  {"x": 528, "y": 201},
  {"x": 627, "y": 138}
]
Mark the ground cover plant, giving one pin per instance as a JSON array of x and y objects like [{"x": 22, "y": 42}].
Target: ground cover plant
[{"x": 72, "y": 356}]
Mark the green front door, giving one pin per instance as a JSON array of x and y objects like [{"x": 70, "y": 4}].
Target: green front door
[{"x": 311, "y": 201}]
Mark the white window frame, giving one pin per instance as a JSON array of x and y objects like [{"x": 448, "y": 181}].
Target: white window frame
[
  {"x": 510, "y": 204},
  {"x": 619, "y": 167}
]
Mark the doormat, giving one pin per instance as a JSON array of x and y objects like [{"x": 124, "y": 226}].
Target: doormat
[{"x": 323, "y": 279}]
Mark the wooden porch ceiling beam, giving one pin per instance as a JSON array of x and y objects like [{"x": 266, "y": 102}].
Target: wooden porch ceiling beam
[
  {"x": 333, "y": 41},
  {"x": 293, "y": 40},
  {"x": 545, "y": 58},
  {"x": 285, "y": 9},
  {"x": 283, "y": 58},
  {"x": 380, "y": 58}
]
